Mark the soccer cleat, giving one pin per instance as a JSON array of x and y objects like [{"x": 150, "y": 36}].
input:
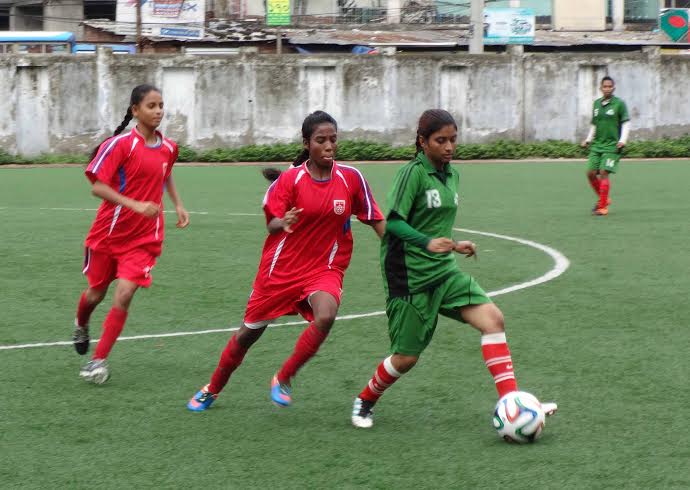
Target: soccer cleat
[
  {"x": 549, "y": 408},
  {"x": 80, "y": 338},
  {"x": 95, "y": 371},
  {"x": 601, "y": 212},
  {"x": 280, "y": 393},
  {"x": 202, "y": 400},
  {"x": 596, "y": 204},
  {"x": 363, "y": 414}
]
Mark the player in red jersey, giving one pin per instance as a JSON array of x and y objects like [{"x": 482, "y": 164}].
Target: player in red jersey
[
  {"x": 306, "y": 253},
  {"x": 129, "y": 171}
]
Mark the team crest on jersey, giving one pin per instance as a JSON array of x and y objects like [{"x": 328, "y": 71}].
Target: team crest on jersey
[
  {"x": 610, "y": 112},
  {"x": 339, "y": 206}
]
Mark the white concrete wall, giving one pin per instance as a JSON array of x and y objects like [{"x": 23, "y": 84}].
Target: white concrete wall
[{"x": 69, "y": 103}]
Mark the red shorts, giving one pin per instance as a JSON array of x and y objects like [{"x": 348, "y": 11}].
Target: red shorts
[
  {"x": 291, "y": 299},
  {"x": 101, "y": 268}
]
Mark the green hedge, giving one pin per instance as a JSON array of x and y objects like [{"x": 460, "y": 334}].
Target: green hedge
[{"x": 371, "y": 151}]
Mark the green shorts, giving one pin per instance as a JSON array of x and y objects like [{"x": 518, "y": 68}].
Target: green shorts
[
  {"x": 412, "y": 319},
  {"x": 604, "y": 160}
]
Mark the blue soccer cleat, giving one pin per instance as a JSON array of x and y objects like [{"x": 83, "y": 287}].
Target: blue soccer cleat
[
  {"x": 280, "y": 393},
  {"x": 202, "y": 400}
]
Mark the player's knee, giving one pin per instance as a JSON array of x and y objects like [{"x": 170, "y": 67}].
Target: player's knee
[
  {"x": 403, "y": 363},
  {"x": 123, "y": 296},
  {"x": 324, "y": 320},
  {"x": 95, "y": 296},
  {"x": 247, "y": 336},
  {"x": 495, "y": 323}
]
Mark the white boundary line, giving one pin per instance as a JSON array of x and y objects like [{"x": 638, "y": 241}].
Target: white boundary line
[{"x": 561, "y": 264}]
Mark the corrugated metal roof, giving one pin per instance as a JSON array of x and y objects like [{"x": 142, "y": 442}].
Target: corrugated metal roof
[{"x": 256, "y": 32}]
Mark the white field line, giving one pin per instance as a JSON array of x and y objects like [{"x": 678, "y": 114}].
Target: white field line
[{"x": 561, "y": 263}]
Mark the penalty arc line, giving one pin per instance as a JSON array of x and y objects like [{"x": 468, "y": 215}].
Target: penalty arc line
[{"x": 561, "y": 264}]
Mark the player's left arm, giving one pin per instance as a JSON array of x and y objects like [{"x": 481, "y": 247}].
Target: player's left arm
[
  {"x": 182, "y": 214},
  {"x": 625, "y": 127},
  {"x": 365, "y": 207}
]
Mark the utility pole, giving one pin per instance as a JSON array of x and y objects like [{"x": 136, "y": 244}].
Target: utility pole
[
  {"x": 140, "y": 42},
  {"x": 618, "y": 14},
  {"x": 516, "y": 48},
  {"x": 477, "y": 27}
]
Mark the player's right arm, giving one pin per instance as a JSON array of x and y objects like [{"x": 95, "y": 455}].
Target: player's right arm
[
  {"x": 281, "y": 213},
  {"x": 109, "y": 159},
  {"x": 592, "y": 129},
  {"x": 104, "y": 191},
  {"x": 590, "y": 136}
]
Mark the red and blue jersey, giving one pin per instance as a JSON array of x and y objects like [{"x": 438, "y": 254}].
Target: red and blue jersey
[
  {"x": 322, "y": 237},
  {"x": 138, "y": 171}
]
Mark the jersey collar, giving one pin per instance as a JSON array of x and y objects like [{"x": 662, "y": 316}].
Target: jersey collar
[
  {"x": 158, "y": 134},
  {"x": 429, "y": 167},
  {"x": 334, "y": 168}
]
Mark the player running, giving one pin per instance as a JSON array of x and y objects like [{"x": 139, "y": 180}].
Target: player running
[
  {"x": 608, "y": 135},
  {"x": 305, "y": 255},
  {"x": 129, "y": 172},
  {"x": 421, "y": 276}
]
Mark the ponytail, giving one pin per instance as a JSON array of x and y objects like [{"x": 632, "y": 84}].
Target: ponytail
[
  {"x": 301, "y": 158},
  {"x": 271, "y": 174}
]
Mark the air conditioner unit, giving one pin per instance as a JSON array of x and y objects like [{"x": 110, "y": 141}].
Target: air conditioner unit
[{"x": 580, "y": 15}]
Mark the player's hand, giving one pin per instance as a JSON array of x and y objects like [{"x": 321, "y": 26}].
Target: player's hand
[
  {"x": 466, "y": 248},
  {"x": 290, "y": 218},
  {"x": 620, "y": 145},
  {"x": 440, "y": 245},
  {"x": 147, "y": 208},
  {"x": 182, "y": 217},
  {"x": 584, "y": 144}
]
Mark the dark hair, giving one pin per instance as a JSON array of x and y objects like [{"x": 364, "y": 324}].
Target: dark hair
[
  {"x": 607, "y": 79},
  {"x": 138, "y": 94},
  {"x": 431, "y": 121},
  {"x": 308, "y": 126}
]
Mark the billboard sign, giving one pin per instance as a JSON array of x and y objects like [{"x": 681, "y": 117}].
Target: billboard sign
[
  {"x": 182, "y": 19},
  {"x": 509, "y": 26}
]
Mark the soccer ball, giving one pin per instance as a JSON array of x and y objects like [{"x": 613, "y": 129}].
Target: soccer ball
[{"x": 519, "y": 417}]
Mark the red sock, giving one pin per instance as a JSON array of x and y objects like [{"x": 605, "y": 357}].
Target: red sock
[
  {"x": 307, "y": 345},
  {"x": 497, "y": 358},
  {"x": 230, "y": 359},
  {"x": 112, "y": 327},
  {"x": 604, "y": 187},
  {"x": 384, "y": 377},
  {"x": 594, "y": 182},
  {"x": 84, "y": 310}
]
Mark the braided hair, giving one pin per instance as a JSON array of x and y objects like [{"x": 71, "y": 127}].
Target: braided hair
[{"x": 138, "y": 94}]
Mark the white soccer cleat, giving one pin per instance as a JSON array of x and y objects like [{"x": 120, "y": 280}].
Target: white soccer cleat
[
  {"x": 95, "y": 371},
  {"x": 549, "y": 408},
  {"x": 362, "y": 414}
]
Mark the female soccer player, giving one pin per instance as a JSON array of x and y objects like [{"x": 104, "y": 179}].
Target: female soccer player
[
  {"x": 305, "y": 255},
  {"x": 608, "y": 135},
  {"x": 129, "y": 172},
  {"x": 421, "y": 276}
]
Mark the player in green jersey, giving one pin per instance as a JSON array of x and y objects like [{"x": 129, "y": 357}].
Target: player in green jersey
[
  {"x": 421, "y": 276},
  {"x": 608, "y": 135}
]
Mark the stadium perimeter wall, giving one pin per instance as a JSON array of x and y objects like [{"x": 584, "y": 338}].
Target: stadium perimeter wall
[{"x": 69, "y": 103}]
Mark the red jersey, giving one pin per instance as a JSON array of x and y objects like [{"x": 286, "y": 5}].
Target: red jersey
[
  {"x": 138, "y": 171},
  {"x": 322, "y": 237}
]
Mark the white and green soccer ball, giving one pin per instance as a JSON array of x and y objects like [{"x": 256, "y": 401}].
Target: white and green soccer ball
[{"x": 519, "y": 417}]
